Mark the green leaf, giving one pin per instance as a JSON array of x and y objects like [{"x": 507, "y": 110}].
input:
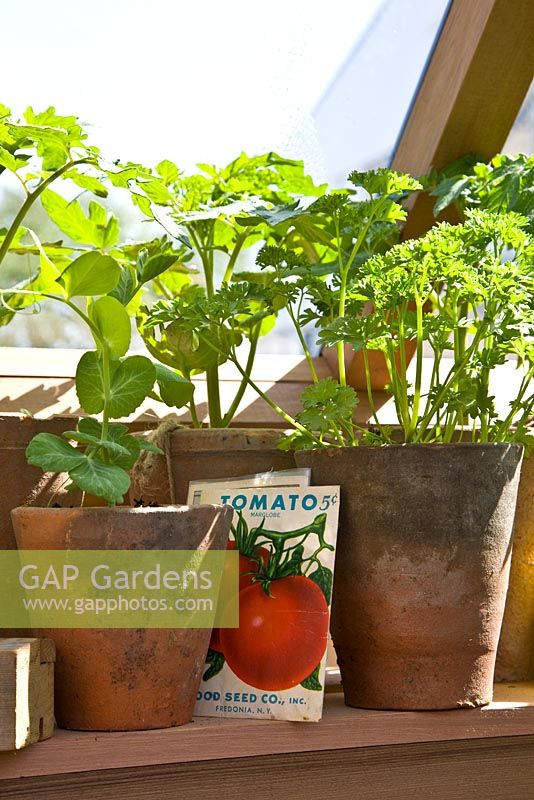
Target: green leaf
[
  {"x": 155, "y": 266},
  {"x": 175, "y": 390},
  {"x": 216, "y": 662},
  {"x": 88, "y": 182},
  {"x": 52, "y": 453},
  {"x": 90, "y": 425},
  {"x": 312, "y": 681},
  {"x": 150, "y": 447},
  {"x": 90, "y": 274},
  {"x": 9, "y": 161},
  {"x": 324, "y": 578},
  {"x": 89, "y": 385},
  {"x": 131, "y": 381},
  {"x": 168, "y": 171},
  {"x": 100, "y": 228},
  {"x": 125, "y": 289},
  {"x": 130, "y": 446},
  {"x": 156, "y": 191},
  {"x": 102, "y": 480},
  {"x": 96, "y": 441},
  {"x": 113, "y": 323},
  {"x": 142, "y": 202},
  {"x": 68, "y": 216},
  {"x": 105, "y": 225}
]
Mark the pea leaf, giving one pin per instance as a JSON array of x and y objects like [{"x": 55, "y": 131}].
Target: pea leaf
[
  {"x": 132, "y": 379},
  {"x": 130, "y": 446},
  {"x": 94, "y": 427},
  {"x": 90, "y": 274},
  {"x": 113, "y": 323},
  {"x": 52, "y": 453},
  {"x": 131, "y": 382},
  {"x": 88, "y": 438},
  {"x": 102, "y": 480},
  {"x": 312, "y": 682},
  {"x": 89, "y": 386}
]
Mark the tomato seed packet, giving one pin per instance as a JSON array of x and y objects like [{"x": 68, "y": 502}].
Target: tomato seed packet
[{"x": 273, "y": 665}]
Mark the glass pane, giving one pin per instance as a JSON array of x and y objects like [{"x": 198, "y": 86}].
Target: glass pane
[
  {"x": 362, "y": 113},
  {"x": 330, "y": 83},
  {"x": 521, "y": 137}
]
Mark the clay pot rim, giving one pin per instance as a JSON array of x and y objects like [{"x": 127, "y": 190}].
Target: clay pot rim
[
  {"x": 142, "y": 510},
  {"x": 418, "y": 445}
]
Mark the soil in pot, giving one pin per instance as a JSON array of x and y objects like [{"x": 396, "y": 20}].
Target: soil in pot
[
  {"x": 515, "y": 656},
  {"x": 422, "y": 569},
  {"x": 125, "y": 679},
  {"x": 198, "y": 454}
]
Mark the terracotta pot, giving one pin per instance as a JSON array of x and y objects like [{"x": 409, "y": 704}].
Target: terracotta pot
[
  {"x": 196, "y": 454},
  {"x": 125, "y": 679},
  {"x": 422, "y": 569},
  {"x": 515, "y": 656},
  {"x": 20, "y": 483},
  {"x": 355, "y": 366}
]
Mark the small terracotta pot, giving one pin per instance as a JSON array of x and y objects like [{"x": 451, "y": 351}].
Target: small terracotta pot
[
  {"x": 422, "y": 568},
  {"x": 20, "y": 483},
  {"x": 355, "y": 365},
  {"x": 125, "y": 679},
  {"x": 515, "y": 657},
  {"x": 198, "y": 454}
]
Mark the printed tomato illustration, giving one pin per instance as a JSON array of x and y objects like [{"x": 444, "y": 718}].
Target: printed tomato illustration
[
  {"x": 248, "y": 565},
  {"x": 281, "y": 637},
  {"x": 248, "y": 568}
]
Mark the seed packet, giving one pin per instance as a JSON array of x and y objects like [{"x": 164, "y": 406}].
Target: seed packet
[
  {"x": 273, "y": 665},
  {"x": 299, "y": 476}
]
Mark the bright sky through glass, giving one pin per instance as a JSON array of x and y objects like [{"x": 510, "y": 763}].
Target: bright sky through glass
[
  {"x": 329, "y": 83},
  {"x": 186, "y": 81}
]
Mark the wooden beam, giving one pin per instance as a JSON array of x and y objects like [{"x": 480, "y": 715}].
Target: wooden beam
[{"x": 477, "y": 78}]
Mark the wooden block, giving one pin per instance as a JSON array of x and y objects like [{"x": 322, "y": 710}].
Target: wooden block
[{"x": 26, "y": 692}]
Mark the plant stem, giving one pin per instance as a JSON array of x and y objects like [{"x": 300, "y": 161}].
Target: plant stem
[
  {"x": 30, "y": 200},
  {"x": 418, "y": 368},
  {"x": 214, "y": 397},
  {"x": 212, "y": 373},
  {"x": 303, "y": 344},
  {"x": 370, "y": 397},
  {"x": 243, "y": 385},
  {"x": 504, "y": 427},
  {"x": 229, "y": 271},
  {"x": 194, "y": 415},
  {"x": 106, "y": 384},
  {"x": 286, "y": 417},
  {"x": 451, "y": 377}
]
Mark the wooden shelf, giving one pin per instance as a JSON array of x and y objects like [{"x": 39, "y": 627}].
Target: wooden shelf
[
  {"x": 74, "y": 759},
  {"x": 41, "y": 380}
]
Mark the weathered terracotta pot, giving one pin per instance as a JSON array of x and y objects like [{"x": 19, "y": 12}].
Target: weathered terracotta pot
[
  {"x": 422, "y": 569},
  {"x": 125, "y": 679},
  {"x": 20, "y": 483},
  {"x": 197, "y": 454},
  {"x": 515, "y": 656}
]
